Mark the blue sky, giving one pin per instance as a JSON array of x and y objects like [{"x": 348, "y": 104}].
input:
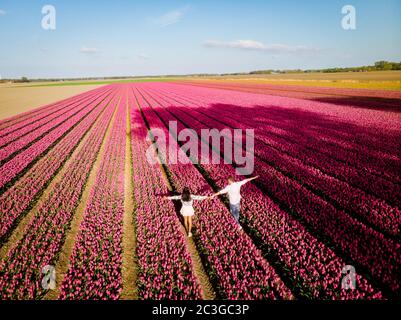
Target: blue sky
[{"x": 129, "y": 37}]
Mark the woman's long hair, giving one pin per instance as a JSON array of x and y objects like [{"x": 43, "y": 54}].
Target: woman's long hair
[{"x": 186, "y": 195}]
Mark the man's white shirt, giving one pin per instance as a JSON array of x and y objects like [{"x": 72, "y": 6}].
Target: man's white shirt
[{"x": 234, "y": 191}]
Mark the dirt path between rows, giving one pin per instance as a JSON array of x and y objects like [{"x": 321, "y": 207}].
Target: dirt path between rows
[
  {"x": 129, "y": 267},
  {"x": 63, "y": 263}
]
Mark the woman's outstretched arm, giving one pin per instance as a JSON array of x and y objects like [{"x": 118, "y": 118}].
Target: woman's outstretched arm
[
  {"x": 199, "y": 197},
  {"x": 174, "y": 198}
]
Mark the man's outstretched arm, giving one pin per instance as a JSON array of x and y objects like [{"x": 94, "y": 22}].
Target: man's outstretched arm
[
  {"x": 222, "y": 191},
  {"x": 248, "y": 180}
]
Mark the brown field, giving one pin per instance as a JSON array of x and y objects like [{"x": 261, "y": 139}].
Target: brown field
[
  {"x": 15, "y": 99},
  {"x": 378, "y": 80}
]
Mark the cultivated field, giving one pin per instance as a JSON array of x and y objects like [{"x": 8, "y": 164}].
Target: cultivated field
[
  {"x": 77, "y": 192},
  {"x": 17, "y": 98},
  {"x": 384, "y": 80}
]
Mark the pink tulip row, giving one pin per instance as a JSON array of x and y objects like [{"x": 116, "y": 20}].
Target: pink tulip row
[
  {"x": 28, "y": 127},
  {"x": 165, "y": 270},
  {"x": 18, "y": 121},
  {"x": 19, "y": 198},
  {"x": 63, "y": 115},
  {"x": 356, "y": 152},
  {"x": 17, "y": 164},
  {"x": 297, "y": 250},
  {"x": 96, "y": 261},
  {"x": 237, "y": 267},
  {"x": 324, "y": 219},
  {"x": 367, "y": 207},
  {"x": 44, "y": 236}
]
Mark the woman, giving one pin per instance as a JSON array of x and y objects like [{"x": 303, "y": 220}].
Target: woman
[{"x": 187, "y": 210}]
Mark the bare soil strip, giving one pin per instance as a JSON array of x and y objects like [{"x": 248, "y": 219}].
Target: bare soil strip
[
  {"x": 208, "y": 292},
  {"x": 63, "y": 263},
  {"x": 129, "y": 264},
  {"x": 18, "y": 99}
]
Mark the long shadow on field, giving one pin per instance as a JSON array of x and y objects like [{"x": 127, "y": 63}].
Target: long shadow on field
[
  {"x": 374, "y": 103},
  {"x": 366, "y": 143}
]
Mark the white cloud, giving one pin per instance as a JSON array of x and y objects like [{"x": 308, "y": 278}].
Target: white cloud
[
  {"x": 143, "y": 56},
  {"x": 258, "y": 46},
  {"x": 2, "y": 13},
  {"x": 171, "y": 17},
  {"x": 87, "y": 50}
]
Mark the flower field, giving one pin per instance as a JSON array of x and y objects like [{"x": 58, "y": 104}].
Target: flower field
[{"x": 328, "y": 194}]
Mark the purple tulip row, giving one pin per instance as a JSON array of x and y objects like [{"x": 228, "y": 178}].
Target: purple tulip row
[
  {"x": 381, "y": 256},
  {"x": 165, "y": 270},
  {"x": 358, "y": 155},
  {"x": 19, "y": 198},
  {"x": 234, "y": 263},
  {"x": 301, "y": 254},
  {"x": 367, "y": 207},
  {"x": 44, "y": 236},
  {"x": 20, "y": 120},
  {"x": 28, "y": 127},
  {"x": 18, "y": 163}
]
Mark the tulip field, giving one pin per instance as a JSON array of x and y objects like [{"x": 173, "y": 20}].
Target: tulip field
[{"x": 328, "y": 195}]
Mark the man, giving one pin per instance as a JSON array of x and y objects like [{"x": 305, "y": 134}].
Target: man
[{"x": 234, "y": 195}]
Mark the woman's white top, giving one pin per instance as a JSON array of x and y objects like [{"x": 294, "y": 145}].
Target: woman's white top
[
  {"x": 187, "y": 206},
  {"x": 188, "y": 203}
]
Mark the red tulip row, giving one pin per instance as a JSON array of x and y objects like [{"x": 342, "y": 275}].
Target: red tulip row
[
  {"x": 234, "y": 263},
  {"x": 28, "y": 127},
  {"x": 165, "y": 269},
  {"x": 284, "y": 233},
  {"x": 95, "y": 264},
  {"x": 365, "y": 206},
  {"x": 17, "y": 164},
  {"x": 44, "y": 236},
  {"x": 20, "y": 120},
  {"x": 19, "y": 198}
]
